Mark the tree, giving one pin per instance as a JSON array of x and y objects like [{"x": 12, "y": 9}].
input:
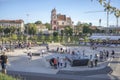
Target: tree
[
  {"x": 117, "y": 15},
  {"x": 14, "y": 37},
  {"x": 86, "y": 29},
  {"x": 38, "y": 22},
  {"x": 19, "y": 30},
  {"x": 32, "y": 29},
  {"x": 62, "y": 32},
  {"x": 20, "y": 37},
  {"x": 78, "y": 28},
  {"x": 1, "y": 29},
  {"x": 7, "y": 30},
  {"x": 78, "y": 23},
  {"x": 12, "y": 29},
  {"x": 68, "y": 31},
  {"x": 55, "y": 34},
  {"x": 90, "y": 24},
  {"x": 109, "y": 8},
  {"x": 48, "y": 26}
]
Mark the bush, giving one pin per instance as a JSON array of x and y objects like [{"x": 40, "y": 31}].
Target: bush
[{"x": 5, "y": 77}]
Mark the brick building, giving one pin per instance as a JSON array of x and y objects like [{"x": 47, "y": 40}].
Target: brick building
[{"x": 59, "y": 21}]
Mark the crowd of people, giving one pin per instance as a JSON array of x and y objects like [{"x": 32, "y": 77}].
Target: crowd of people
[
  {"x": 62, "y": 62},
  {"x": 94, "y": 58},
  {"x": 59, "y": 62}
]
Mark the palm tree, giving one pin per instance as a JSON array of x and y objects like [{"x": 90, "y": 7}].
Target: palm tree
[
  {"x": 108, "y": 9},
  {"x": 117, "y": 15},
  {"x": 101, "y": 1}
]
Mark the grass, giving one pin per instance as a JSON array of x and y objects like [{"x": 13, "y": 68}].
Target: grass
[{"x": 6, "y": 77}]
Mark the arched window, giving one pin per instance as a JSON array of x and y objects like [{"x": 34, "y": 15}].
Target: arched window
[{"x": 54, "y": 28}]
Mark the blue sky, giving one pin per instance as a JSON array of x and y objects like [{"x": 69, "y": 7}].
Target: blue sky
[{"x": 41, "y": 10}]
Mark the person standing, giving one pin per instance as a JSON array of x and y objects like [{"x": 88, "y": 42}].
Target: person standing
[
  {"x": 65, "y": 62},
  {"x": 58, "y": 62},
  {"x": 30, "y": 55},
  {"x": 55, "y": 63},
  {"x": 42, "y": 52},
  {"x": 47, "y": 47},
  {"x": 91, "y": 60},
  {"x": 113, "y": 53},
  {"x": 107, "y": 54},
  {"x": 3, "y": 60},
  {"x": 96, "y": 60}
]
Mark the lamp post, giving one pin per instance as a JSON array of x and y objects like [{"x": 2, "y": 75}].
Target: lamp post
[{"x": 27, "y": 29}]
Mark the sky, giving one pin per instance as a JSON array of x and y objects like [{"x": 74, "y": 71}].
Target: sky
[{"x": 78, "y": 10}]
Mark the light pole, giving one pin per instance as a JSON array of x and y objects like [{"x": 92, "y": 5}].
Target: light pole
[
  {"x": 27, "y": 28},
  {"x": 100, "y": 22}
]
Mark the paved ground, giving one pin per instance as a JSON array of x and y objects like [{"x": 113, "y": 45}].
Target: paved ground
[
  {"x": 38, "y": 69},
  {"x": 100, "y": 74},
  {"x": 87, "y": 75}
]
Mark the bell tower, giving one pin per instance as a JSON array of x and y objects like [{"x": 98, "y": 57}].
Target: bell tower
[{"x": 54, "y": 19}]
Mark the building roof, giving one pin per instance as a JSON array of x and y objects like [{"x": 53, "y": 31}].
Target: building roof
[
  {"x": 68, "y": 18},
  {"x": 93, "y": 27},
  {"x": 12, "y": 21},
  {"x": 61, "y": 17}
]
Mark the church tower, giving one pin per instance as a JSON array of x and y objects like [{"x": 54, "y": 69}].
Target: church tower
[{"x": 54, "y": 19}]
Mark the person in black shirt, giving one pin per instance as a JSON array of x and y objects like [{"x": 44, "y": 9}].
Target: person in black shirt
[
  {"x": 113, "y": 53},
  {"x": 4, "y": 60}
]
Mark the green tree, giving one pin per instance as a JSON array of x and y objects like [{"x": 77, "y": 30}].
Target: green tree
[
  {"x": 1, "y": 29},
  {"x": 117, "y": 15},
  {"x": 24, "y": 37},
  {"x": 14, "y": 37},
  {"x": 32, "y": 29},
  {"x": 109, "y": 8},
  {"x": 68, "y": 31},
  {"x": 55, "y": 34},
  {"x": 48, "y": 26},
  {"x": 78, "y": 23},
  {"x": 78, "y": 28},
  {"x": 43, "y": 38},
  {"x": 7, "y": 30},
  {"x": 38, "y": 22},
  {"x": 12, "y": 29},
  {"x": 19, "y": 30},
  {"x": 20, "y": 37},
  {"x": 62, "y": 32},
  {"x": 86, "y": 29}
]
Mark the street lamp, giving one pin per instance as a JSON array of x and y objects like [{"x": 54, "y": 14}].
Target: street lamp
[{"x": 27, "y": 28}]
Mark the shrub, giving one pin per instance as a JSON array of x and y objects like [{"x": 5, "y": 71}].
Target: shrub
[{"x": 6, "y": 77}]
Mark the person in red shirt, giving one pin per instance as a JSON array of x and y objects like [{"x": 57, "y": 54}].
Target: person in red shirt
[{"x": 55, "y": 63}]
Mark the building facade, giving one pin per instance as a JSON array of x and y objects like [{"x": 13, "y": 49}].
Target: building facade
[
  {"x": 59, "y": 21},
  {"x": 15, "y": 23},
  {"x": 41, "y": 28}
]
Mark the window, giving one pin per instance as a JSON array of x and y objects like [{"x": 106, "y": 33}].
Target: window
[
  {"x": 54, "y": 22},
  {"x": 57, "y": 23},
  {"x": 62, "y": 23}
]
